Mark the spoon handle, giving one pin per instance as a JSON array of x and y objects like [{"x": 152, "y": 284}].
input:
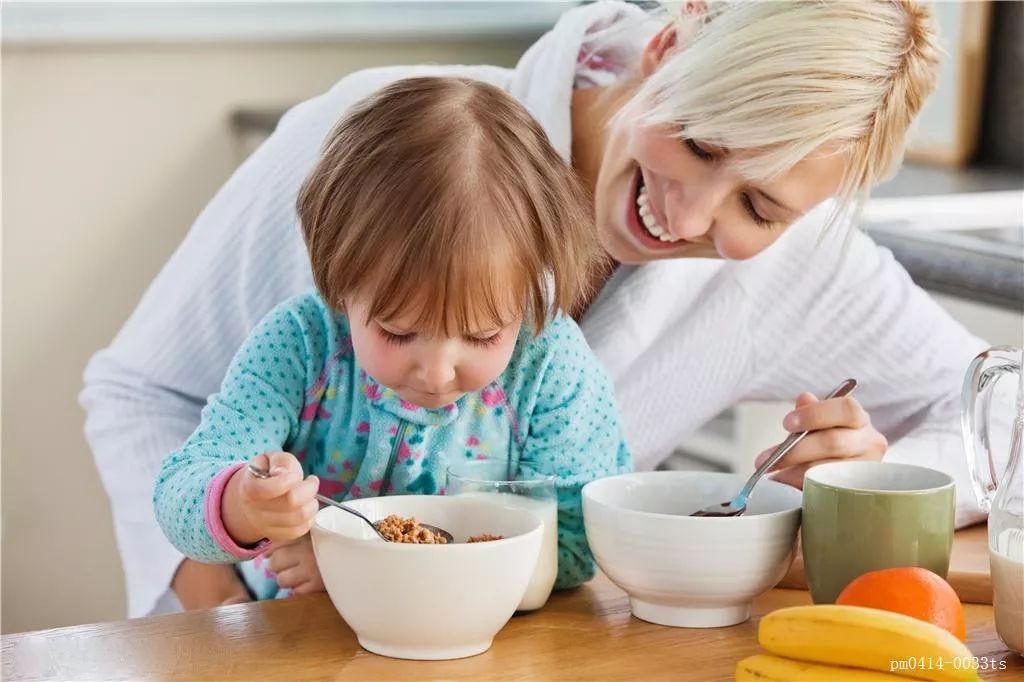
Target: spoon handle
[
  {"x": 785, "y": 446},
  {"x": 322, "y": 499}
]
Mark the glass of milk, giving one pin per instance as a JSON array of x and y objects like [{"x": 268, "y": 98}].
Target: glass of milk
[{"x": 501, "y": 483}]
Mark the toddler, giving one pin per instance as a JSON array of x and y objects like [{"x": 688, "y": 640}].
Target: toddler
[{"x": 446, "y": 239}]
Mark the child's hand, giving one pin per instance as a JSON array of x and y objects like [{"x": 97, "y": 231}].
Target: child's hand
[
  {"x": 279, "y": 508},
  {"x": 295, "y": 566}
]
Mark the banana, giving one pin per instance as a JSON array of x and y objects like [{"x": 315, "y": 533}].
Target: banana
[
  {"x": 873, "y": 639},
  {"x": 765, "y": 668}
]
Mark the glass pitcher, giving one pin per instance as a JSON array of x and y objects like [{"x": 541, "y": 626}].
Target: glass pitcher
[{"x": 1000, "y": 490}]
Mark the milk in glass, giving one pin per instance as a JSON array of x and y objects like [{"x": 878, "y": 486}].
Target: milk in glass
[{"x": 543, "y": 579}]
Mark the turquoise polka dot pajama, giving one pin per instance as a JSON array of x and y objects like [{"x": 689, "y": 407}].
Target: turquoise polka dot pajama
[{"x": 295, "y": 385}]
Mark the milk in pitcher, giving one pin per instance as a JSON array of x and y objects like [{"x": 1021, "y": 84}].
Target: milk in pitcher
[{"x": 1007, "y": 563}]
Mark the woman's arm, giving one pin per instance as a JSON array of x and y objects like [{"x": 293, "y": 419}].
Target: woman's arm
[
  {"x": 862, "y": 316},
  {"x": 205, "y": 586}
]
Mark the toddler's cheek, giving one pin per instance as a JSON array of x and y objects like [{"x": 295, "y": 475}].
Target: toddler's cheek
[{"x": 488, "y": 365}]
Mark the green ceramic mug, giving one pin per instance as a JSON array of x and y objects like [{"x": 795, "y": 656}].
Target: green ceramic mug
[{"x": 865, "y": 516}]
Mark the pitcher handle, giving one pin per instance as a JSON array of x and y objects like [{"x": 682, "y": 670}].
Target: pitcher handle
[{"x": 976, "y": 401}]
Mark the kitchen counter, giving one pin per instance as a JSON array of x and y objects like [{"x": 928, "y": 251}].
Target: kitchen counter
[
  {"x": 956, "y": 231},
  {"x": 985, "y": 265}
]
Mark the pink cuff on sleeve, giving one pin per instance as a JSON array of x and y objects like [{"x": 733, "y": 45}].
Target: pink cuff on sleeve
[{"x": 215, "y": 524}]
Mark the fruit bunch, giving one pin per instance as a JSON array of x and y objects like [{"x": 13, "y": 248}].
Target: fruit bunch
[{"x": 877, "y": 630}]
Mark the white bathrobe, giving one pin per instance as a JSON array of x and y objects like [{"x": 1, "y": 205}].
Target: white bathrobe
[{"x": 683, "y": 340}]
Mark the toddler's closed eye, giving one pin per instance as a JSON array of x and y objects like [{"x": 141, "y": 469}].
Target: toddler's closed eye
[{"x": 484, "y": 341}]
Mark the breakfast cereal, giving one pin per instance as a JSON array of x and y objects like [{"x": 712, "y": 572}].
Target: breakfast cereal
[{"x": 408, "y": 531}]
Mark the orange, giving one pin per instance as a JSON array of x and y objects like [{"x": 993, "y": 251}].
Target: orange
[{"x": 911, "y": 591}]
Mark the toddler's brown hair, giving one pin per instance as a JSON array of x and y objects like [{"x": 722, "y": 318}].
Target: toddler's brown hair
[{"x": 443, "y": 197}]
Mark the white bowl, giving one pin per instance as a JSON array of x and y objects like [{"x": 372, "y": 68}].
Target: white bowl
[
  {"x": 687, "y": 571},
  {"x": 427, "y": 602}
]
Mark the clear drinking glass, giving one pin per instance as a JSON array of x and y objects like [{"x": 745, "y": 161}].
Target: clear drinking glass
[{"x": 494, "y": 480}]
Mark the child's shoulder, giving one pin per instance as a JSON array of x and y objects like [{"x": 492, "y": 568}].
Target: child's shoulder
[
  {"x": 560, "y": 347},
  {"x": 305, "y": 318},
  {"x": 561, "y": 333}
]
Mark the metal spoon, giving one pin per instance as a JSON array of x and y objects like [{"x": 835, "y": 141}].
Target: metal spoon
[
  {"x": 323, "y": 499},
  {"x": 738, "y": 505}
]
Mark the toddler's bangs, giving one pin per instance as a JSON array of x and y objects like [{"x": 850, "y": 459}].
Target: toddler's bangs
[{"x": 460, "y": 280}]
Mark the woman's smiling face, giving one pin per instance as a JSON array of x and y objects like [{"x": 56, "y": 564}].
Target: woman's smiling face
[{"x": 660, "y": 195}]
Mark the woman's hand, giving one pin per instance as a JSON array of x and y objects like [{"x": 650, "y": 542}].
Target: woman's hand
[
  {"x": 840, "y": 430},
  {"x": 204, "y": 586},
  {"x": 295, "y": 566}
]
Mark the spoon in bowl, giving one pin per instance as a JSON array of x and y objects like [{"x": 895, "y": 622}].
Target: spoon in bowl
[
  {"x": 738, "y": 505},
  {"x": 259, "y": 472}
]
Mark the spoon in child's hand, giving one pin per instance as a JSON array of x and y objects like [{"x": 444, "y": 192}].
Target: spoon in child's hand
[
  {"x": 259, "y": 472},
  {"x": 738, "y": 505}
]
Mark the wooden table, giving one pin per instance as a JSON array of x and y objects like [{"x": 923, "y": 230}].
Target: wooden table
[{"x": 586, "y": 634}]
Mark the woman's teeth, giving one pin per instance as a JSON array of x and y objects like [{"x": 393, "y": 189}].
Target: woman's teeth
[{"x": 648, "y": 220}]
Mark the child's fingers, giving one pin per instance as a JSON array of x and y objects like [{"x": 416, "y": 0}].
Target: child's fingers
[
  {"x": 297, "y": 497},
  {"x": 274, "y": 488},
  {"x": 286, "y": 528},
  {"x": 292, "y": 577},
  {"x": 281, "y": 462},
  {"x": 302, "y": 578},
  {"x": 283, "y": 557},
  {"x": 286, "y": 473},
  {"x": 291, "y": 524},
  {"x": 307, "y": 490},
  {"x": 309, "y": 587}
]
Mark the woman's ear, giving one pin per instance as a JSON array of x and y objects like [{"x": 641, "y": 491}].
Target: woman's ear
[
  {"x": 666, "y": 41},
  {"x": 660, "y": 46}
]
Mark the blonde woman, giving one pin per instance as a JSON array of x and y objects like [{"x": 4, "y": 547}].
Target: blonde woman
[{"x": 726, "y": 150}]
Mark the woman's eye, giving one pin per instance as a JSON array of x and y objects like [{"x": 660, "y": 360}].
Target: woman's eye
[
  {"x": 395, "y": 339},
  {"x": 484, "y": 342},
  {"x": 697, "y": 151},
  {"x": 761, "y": 221}
]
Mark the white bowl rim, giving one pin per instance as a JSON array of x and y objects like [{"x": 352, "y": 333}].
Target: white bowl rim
[
  {"x": 407, "y": 546},
  {"x": 588, "y": 495}
]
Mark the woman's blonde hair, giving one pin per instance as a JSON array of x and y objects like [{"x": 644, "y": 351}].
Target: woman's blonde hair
[
  {"x": 443, "y": 198},
  {"x": 786, "y": 79}
]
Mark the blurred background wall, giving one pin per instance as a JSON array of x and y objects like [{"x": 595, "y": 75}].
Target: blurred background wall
[{"x": 112, "y": 144}]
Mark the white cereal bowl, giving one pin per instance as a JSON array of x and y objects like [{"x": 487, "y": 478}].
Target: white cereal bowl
[
  {"x": 687, "y": 571},
  {"x": 427, "y": 602}
]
